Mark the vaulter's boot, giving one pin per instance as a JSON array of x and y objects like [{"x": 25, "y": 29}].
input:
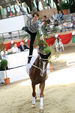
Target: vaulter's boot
[{"x": 29, "y": 59}]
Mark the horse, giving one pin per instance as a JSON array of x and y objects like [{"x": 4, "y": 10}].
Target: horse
[
  {"x": 38, "y": 74},
  {"x": 59, "y": 45}
]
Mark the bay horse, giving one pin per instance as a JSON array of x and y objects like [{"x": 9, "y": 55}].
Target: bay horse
[{"x": 38, "y": 74}]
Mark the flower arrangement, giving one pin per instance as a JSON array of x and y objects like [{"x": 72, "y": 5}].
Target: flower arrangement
[{"x": 43, "y": 46}]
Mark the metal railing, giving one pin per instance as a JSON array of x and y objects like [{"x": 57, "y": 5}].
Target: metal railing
[{"x": 19, "y": 34}]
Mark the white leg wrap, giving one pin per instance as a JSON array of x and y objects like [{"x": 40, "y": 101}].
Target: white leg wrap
[
  {"x": 39, "y": 92},
  {"x": 33, "y": 100},
  {"x": 41, "y": 102}
]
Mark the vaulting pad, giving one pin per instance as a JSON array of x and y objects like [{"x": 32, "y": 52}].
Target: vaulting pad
[{"x": 34, "y": 57}]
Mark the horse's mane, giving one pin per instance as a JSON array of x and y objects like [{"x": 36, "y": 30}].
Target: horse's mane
[{"x": 37, "y": 61}]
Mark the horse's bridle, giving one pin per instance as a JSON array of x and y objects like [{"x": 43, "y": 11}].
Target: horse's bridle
[{"x": 42, "y": 71}]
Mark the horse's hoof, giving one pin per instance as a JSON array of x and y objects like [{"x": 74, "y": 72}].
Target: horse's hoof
[
  {"x": 41, "y": 110},
  {"x": 33, "y": 105}
]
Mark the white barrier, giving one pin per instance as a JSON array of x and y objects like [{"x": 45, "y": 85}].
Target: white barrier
[
  {"x": 12, "y": 24},
  {"x": 17, "y": 66}
]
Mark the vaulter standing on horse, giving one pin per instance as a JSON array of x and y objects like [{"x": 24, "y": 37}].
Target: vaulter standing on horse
[{"x": 33, "y": 26}]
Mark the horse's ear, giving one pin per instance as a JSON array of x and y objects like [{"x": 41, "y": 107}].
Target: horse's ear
[
  {"x": 45, "y": 56},
  {"x": 48, "y": 54}
]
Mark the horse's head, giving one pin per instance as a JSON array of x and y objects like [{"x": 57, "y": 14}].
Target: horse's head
[
  {"x": 44, "y": 56},
  {"x": 43, "y": 61}
]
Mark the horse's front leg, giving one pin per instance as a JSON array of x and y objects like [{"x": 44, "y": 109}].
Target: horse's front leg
[
  {"x": 38, "y": 97},
  {"x": 42, "y": 86},
  {"x": 33, "y": 95}
]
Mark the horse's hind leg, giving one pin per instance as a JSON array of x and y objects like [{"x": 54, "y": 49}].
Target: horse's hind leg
[
  {"x": 38, "y": 97},
  {"x": 33, "y": 95}
]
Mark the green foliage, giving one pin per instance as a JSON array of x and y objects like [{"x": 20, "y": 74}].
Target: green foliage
[
  {"x": 38, "y": 35},
  {"x": 55, "y": 29},
  {"x": 42, "y": 42},
  {"x": 4, "y": 64},
  {"x": 44, "y": 31},
  {"x": 48, "y": 50},
  {"x": 64, "y": 5},
  {"x": 1, "y": 43},
  {"x": 0, "y": 65},
  {"x": 43, "y": 46}
]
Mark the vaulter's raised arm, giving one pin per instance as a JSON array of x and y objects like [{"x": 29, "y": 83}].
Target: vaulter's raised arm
[
  {"x": 40, "y": 28},
  {"x": 23, "y": 11}
]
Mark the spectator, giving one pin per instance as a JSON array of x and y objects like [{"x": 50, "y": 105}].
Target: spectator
[
  {"x": 68, "y": 25},
  {"x": 0, "y": 12},
  {"x": 46, "y": 20},
  {"x": 22, "y": 47},
  {"x": 37, "y": 4},
  {"x": 73, "y": 21},
  {"x": 48, "y": 6},
  {"x": 17, "y": 9},
  {"x": 4, "y": 53},
  {"x": 8, "y": 11},
  {"x": 51, "y": 22},
  {"x": 59, "y": 45},
  {"x": 60, "y": 27},
  {"x": 12, "y": 10},
  {"x": 60, "y": 16},
  {"x": 72, "y": 17},
  {"x": 14, "y": 49},
  {"x": 55, "y": 17},
  {"x": 46, "y": 24}
]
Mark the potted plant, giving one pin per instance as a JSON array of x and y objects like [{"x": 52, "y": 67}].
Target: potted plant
[
  {"x": 65, "y": 7},
  {"x": 4, "y": 64}
]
